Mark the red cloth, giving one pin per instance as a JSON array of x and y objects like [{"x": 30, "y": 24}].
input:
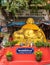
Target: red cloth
[
  {"x": 25, "y": 59},
  {"x": 10, "y": 39}
]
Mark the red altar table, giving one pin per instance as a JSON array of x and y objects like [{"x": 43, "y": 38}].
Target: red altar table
[{"x": 24, "y": 59}]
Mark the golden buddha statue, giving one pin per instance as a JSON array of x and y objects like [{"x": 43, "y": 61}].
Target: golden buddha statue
[{"x": 30, "y": 32}]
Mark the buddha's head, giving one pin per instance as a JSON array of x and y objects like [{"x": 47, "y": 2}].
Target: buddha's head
[{"x": 30, "y": 21}]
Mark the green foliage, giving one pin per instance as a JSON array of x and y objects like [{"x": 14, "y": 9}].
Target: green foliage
[
  {"x": 8, "y": 44},
  {"x": 38, "y": 53},
  {"x": 48, "y": 44},
  {"x": 47, "y": 7},
  {"x": 15, "y": 5},
  {"x": 38, "y": 44},
  {"x": 45, "y": 44},
  {"x": 38, "y": 1},
  {"x": 8, "y": 54},
  {"x": 13, "y": 43},
  {"x": 42, "y": 44}
]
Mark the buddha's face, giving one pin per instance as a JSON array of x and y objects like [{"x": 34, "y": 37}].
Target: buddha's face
[{"x": 29, "y": 33}]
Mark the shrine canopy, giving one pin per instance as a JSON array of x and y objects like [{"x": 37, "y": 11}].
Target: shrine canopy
[
  {"x": 16, "y": 23},
  {"x": 19, "y": 23}
]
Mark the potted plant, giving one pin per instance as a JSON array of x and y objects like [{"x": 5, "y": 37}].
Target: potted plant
[
  {"x": 9, "y": 56},
  {"x": 38, "y": 55}
]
